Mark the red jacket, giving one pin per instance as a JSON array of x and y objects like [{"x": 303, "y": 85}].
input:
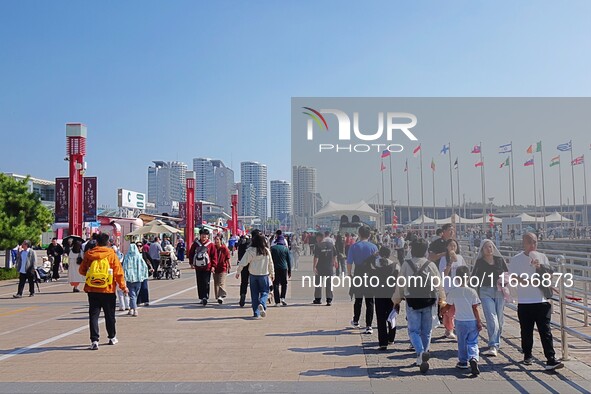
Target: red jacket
[
  {"x": 223, "y": 264},
  {"x": 211, "y": 251}
]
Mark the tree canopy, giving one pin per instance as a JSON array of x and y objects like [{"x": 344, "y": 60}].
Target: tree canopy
[{"x": 22, "y": 215}]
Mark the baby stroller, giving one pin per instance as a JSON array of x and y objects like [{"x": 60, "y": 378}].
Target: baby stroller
[{"x": 168, "y": 268}]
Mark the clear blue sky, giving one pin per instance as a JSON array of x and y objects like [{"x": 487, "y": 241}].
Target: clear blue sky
[{"x": 156, "y": 80}]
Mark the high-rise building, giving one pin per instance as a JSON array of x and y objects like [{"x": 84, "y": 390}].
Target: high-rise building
[
  {"x": 281, "y": 201},
  {"x": 306, "y": 200},
  {"x": 215, "y": 182},
  {"x": 166, "y": 185},
  {"x": 253, "y": 196}
]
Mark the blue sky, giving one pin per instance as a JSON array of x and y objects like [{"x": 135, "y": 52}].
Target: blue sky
[{"x": 175, "y": 80}]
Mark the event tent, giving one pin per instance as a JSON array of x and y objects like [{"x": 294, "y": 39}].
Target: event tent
[{"x": 332, "y": 208}]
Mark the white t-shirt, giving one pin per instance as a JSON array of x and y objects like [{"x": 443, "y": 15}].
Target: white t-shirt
[
  {"x": 463, "y": 298},
  {"x": 522, "y": 264},
  {"x": 452, "y": 273}
]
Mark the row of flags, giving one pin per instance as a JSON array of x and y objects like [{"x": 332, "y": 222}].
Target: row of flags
[{"x": 506, "y": 148}]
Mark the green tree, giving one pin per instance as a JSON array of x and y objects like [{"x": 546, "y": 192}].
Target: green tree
[{"x": 22, "y": 216}]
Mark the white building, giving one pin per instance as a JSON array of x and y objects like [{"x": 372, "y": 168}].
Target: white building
[
  {"x": 166, "y": 185},
  {"x": 215, "y": 182},
  {"x": 281, "y": 200},
  {"x": 253, "y": 196},
  {"x": 306, "y": 200}
]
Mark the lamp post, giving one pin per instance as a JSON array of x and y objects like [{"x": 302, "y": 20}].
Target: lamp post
[{"x": 76, "y": 149}]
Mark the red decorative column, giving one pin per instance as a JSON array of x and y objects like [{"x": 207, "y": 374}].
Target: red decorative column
[
  {"x": 190, "y": 209},
  {"x": 76, "y": 149},
  {"x": 234, "y": 228}
]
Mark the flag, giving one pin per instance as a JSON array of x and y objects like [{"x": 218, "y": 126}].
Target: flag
[
  {"x": 507, "y": 148},
  {"x": 530, "y": 150},
  {"x": 415, "y": 152},
  {"x": 555, "y": 161},
  {"x": 505, "y": 163},
  {"x": 385, "y": 153},
  {"x": 538, "y": 146},
  {"x": 433, "y": 164},
  {"x": 565, "y": 147},
  {"x": 445, "y": 149},
  {"x": 479, "y": 164},
  {"x": 456, "y": 164},
  {"x": 578, "y": 160},
  {"x": 406, "y": 166},
  {"x": 476, "y": 149},
  {"x": 528, "y": 163},
  {"x": 382, "y": 167}
]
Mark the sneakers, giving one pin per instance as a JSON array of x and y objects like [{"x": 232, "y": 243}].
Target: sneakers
[
  {"x": 316, "y": 302},
  {"x": 130, "y": 312},
  {"x": 354, "y": 324},
  {"x": 491, "y": 352},
  {"x": 220, "y": 300},
  {"x": 450, "y": 335},
  {"x": 553, "y": 364},
  {"x": 94, "y": 345},
  {"x": 75, "y": 290},
  {"x": 278, "y": 304},
  {"x": 32, "y": 295},
  {"x": 134, "y": 314},
  {"x": 113, "y": 341},
  {"x": 328, "y": 302},
  {"x": 17, "y": 296},
  {"x": 462, "y": 365},
  {"x": 383, "y": 348},
  {"x": 424, "y": 362},
  {"x": 474, "y": 367},
  {"x": 262, "y": 310},
  {"x": 204, "y": 301},
  {"x": 283, "y": 302},
  {"x": 242, "y": 300},
  {"x": 368, "y": 330},
  {"x": 528, "y": 361}
]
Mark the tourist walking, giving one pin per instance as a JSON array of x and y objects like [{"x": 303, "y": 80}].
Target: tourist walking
[
  {"x": 55, "y": 252},
  {"x": 75, "y": 259},
  {"x": 282, "y": 267},
  {"x": 384, "y": 268},
  {"x": 136, "y": 271},
  {"x": 154, "y": 252},
  {"x": 243, "y": 245},
  {"x": 203, "y": 259},
  {"x": 221, "y": 270},
  {"x": 26, "y": 261},
  {"x": 448, "y": 265},
  {"x": 325, "y": 261}
]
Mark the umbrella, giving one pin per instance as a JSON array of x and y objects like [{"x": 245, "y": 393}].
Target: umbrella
[
  {"x": 73, "y": 238},
  {"x": 155, "y": 227}
]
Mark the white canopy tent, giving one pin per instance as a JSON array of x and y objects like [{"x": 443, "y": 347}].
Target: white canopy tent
[
  {"x": 423, "y": 219},
  {"x": 555, "y": 217},
  {"x": 334, "y": 209}
]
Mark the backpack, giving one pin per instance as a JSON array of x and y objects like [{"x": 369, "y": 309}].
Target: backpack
[
  {"x": 201, "y": 258},
  {"x": 99, "y": 274},
  {"x": 420, "y": 297}
]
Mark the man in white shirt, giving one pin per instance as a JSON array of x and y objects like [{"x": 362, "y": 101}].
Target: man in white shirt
[{"x": 533, "y": 307}]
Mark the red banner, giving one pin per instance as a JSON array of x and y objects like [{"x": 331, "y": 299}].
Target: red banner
[
  {"x": 89, "y": 199},
  {"x": 198, "y": 214},
  {"x": 62, "y": 196}
]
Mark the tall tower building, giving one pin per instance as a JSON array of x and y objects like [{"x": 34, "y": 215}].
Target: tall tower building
[
  {"x": 253, "y": 179},
  {"x": 166, "y": 185},
  {"x": 215, "y": 182},
  {"x": 281, "y": 201}
]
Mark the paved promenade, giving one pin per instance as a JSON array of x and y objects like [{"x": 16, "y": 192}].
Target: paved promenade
[{"x": 178, "y": 346}]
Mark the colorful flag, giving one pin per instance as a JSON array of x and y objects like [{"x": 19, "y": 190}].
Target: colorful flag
[
  {"x": 507, "y": 148},
  {"x": 476, "y": 149},
  {"x": 505, "y": 163},
  {"x": 538, "y": 146},
  {"x": 406, "y": 166},
  {"x": 433, "y": 164},
  {"x": 528, "y": 163},
  {"x": 385, "y": 153},
  {"x": 565, "y": 147},
  {"x": 479, "y": 164},
  {"x": 555, "y": 161},
  {"x": 578, "y": 160},
  {"x": 382, "y": 167},
  {"x": 445, "y": 149},
  {"x": 415, "y": 152},
  {"x": 456, "y": 164},
  {"x": 530, "y": 150}
]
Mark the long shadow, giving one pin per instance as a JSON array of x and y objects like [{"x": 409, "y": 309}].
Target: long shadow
[
  {"x": 212, "y": 319},
  {"x": 48, "y": 349},
  {"x": 331, "y": 350},
  {"x": 351, "y": 371},
  {"x": 312, "y": 333}
]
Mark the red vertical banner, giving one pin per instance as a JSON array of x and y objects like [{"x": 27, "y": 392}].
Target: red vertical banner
[
  {"x": 89, "y": 199},
  {"x": 62, "y": 196},
  {"x": 198, "y": 214}
]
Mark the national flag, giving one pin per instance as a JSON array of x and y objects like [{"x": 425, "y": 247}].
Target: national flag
[
  {"x": 538, "y": 146},
  {"x": 578, "y": 160},
  {"x": 565, "y": 147},
  {"x": 445, "y": 149},
  {"x": 555, "y": 161},
  {"x": 416, "y": 151},
  {"x": 479, "y": 164},
  {"x": 406, "y": 166},
  {"x": 382, "y": 167},
  {"x": 528, "y": 163},
  {"x": 456, "y": 164},
  {"x": 505, "y": 163},
  {"x": 476, "y": 149},
  {"x": 507, "y": 148},
  {"x": 530, "y": 150},
  {"x": 433, "y": 164},
  {"x": 385, "y": 153}
]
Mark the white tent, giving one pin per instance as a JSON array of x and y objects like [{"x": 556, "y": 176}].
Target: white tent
[
  {"x": 457, "y": 219},
  {"x": 155, "y": 227},
  {"x": 423, "y": 219},
  {"x": 556, "y": 218},
  {"x": 332, "y": 208},
  {"x": 525, "y": 218}
]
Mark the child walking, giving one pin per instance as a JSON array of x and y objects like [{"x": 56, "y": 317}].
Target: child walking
[{"x": 468, "y": 324}]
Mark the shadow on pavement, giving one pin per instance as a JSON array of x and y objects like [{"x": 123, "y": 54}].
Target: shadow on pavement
[
  {"x": 331, "y": 350},
  {"x": 312, "y": 333}
]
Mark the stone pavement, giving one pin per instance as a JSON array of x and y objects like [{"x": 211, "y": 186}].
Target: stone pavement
[{"x": 178, "y": 346}]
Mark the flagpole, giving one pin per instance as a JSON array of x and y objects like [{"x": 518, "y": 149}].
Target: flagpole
[
  {"x": 560, "y": 192},
  {"x": 391, "y": 195},
  {"x": 543, "y": 187},
  {"x": 451, "y": 181},
  {"x": 509, "y": 178},
  {"x": 512, "y": 179},
  {"x": 422, "y": 195},
  {"x": 586, "y": 220},
  {"x": 459, "y": 200},
  {"x": 383, "y": 198},
  {"x": 433, "y": 176},
  {"x": 408, "y": 192},
  {"x": 482, "y": 189},
  {"x": 572, "y": 171},
  {"x": 535, "y": 199}
]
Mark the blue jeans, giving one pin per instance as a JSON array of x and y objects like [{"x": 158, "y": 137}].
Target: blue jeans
[
  {"x": 493, "y": 303},
  {"x": 134, "y": 289},
  {"x": 259, "y": 292},
  {"x": 467, "y": 334},
  {"x": 420, "y": 324}
]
